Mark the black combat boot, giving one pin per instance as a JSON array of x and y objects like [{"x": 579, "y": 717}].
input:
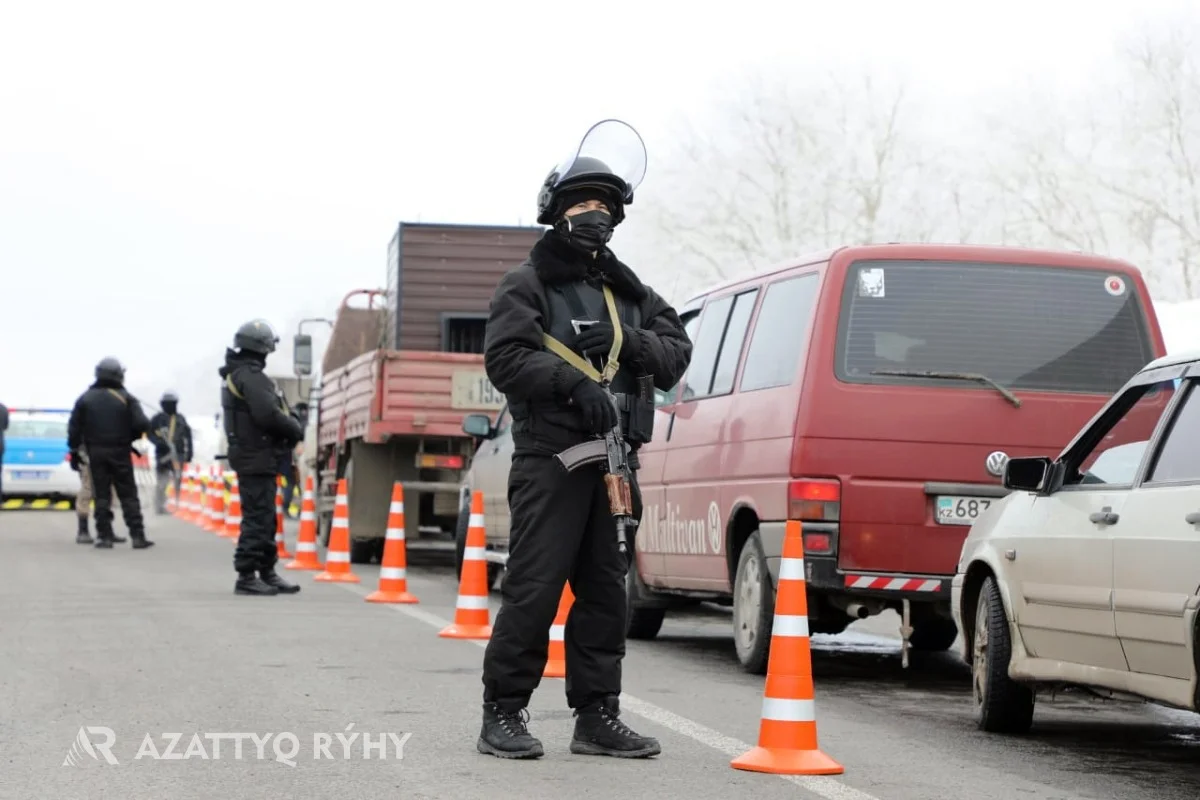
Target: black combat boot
[
  {"x": 140, "y": 542},
  {"x": 271, "y": 578},
  {"x": 600, "y": 732},
  {"x": 104, "y": 542},
  {"x": 504, "y": 734},
  {"x": 83, "y": 537},
  {"x": 117, "y": 539},
  {"x": 250, "y": 583}
]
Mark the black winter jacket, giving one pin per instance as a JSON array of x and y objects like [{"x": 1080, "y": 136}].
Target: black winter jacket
[
  {"x": 160, "y": 426},
  {"x": 106, "y": 417},
  {"x": 257, "y": 426},
  {"x": 537, "y": 382}
]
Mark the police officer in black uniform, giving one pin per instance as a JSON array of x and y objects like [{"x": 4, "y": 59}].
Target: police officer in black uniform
[
  {"x": 258, "y": 428},
  {"x": 172, "y": 438},
  {"x": 106, "y": 421},
  {"x": 562, "y": 526}
]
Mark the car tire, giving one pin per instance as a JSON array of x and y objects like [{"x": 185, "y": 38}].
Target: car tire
[
  {"x": 641, "y": 623},
  {"x": 1002, "y": 705},
  {"x": 753, "y": 607},
  {"x": 933, "y": 634}
]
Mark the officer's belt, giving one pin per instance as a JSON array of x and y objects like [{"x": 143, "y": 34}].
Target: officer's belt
[{"x": 579, "y": 362}]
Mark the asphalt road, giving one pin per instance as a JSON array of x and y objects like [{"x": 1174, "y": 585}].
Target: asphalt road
[{"x": 148, "y": 643}]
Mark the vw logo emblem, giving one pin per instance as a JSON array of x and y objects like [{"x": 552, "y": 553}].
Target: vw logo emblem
[{"x": 995, "y": 463}]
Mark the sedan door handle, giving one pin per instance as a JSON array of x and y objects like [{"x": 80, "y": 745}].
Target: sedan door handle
[
  {"x": 1192, "y": 518},
  {"x": 1105, "y": 516}
]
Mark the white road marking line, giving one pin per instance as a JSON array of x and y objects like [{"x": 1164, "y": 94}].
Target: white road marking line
[{"x": 824, "y": 787}]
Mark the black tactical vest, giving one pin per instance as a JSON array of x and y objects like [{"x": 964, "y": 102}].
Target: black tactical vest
[{"x": 582, "y": 301}]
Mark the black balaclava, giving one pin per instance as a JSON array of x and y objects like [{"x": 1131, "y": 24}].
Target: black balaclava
[
  {"x": 590, "y": 231},
  {"x": 170, "y": 406}
]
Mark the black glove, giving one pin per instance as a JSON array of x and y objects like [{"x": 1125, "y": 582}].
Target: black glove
[
  {"x": 75, "y": 461},
  {"x": 597, "y": 341},
  {"x": 593, "y": 403}
]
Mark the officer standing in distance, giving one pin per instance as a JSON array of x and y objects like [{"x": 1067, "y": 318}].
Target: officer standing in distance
[
  {"x": 172, "y": 438},
  {"x": 105, "y": 423},
  {"x": 258, "y": 429},
  {"x": 562, "y": 525}
]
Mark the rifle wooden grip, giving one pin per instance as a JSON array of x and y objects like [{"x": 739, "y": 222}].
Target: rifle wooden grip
[{"x": 620, "y": 499}]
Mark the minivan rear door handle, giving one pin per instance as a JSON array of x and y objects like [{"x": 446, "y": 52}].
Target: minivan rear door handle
[
  {"x": 1105, "y": 516},
  {"x": 1192, "y": 518}
]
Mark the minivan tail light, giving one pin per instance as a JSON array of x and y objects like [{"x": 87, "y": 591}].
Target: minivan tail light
[{"x": 815, "y": 500}]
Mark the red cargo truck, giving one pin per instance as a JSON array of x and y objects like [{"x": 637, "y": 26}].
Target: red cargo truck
[{"x": 402, "y": 368}]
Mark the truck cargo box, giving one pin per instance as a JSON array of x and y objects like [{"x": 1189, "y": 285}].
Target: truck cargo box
[{"x": 440, "y": 282}]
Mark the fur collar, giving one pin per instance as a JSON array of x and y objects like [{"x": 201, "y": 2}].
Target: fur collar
[{"x": 556, "y": 262}]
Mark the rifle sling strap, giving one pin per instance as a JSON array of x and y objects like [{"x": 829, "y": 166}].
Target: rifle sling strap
[{"x": 579, "y": 362}]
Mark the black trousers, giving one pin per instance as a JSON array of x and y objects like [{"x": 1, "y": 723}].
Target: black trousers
[
  {"x": 256, "y": 551},
  {"x": 112, "y": 468},
  {"x": 562, "y": 530}
]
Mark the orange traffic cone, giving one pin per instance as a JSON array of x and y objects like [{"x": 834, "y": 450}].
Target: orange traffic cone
[
  {"x": 214, "y": 521},
  {"x": 233, "y": 514},
  {"x": 183, "y": 506},
  {"x": 280, "y": 544},
  {"x": 337, "y": 556},
  {"x": 471, "y": 620},
  {"x": 556, "y": 664},
  {"x": 787, "y": 735},
  {"x": 218, "y": 500},
  {"x": 393, "y": 571},
  {"x": 306, "y": 541},
  {"x": 204, "y": 516}
]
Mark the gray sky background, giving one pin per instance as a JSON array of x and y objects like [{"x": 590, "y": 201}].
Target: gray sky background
[{"x": 168, "y": 171}]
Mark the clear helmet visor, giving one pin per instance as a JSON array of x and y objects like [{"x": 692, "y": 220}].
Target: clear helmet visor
[{"x": 613, "y": 143}]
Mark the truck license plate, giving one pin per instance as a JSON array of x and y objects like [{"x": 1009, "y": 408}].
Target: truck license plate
[
  {"x": 471, "y": 390},
  {"x": 956, "y": 510}
]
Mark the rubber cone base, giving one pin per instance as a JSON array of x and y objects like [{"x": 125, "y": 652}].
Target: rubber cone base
[
  {"x": 787, "y": 762},
  {"x": 298, "y": 565},
  {"x": 337, "y": 577},
  {"x": 466, "y": 632},
  {"x": 285, "y": 554},
  {"x": 391, "y": 597},
  {"x": 555, "y": 669}
]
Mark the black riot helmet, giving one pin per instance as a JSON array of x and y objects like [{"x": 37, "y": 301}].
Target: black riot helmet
[
  {"x": 111, "y": 370},
  {"x": 610, "y": 161},
  {"x": 256, "y": 336}
]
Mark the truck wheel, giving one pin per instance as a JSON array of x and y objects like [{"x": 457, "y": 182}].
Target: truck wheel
[
  {"x": 460, "y": 539},
  {"x": 363, "y": 550},
  {"x": 1001, "y": 704},
  {"x": 641, "y": 622},
  {"x": 753, "y": 607},
  {"x": 933, "y": 634}
]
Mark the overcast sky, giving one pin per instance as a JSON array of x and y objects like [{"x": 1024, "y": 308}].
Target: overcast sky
[{"x": 168, "y": 171}]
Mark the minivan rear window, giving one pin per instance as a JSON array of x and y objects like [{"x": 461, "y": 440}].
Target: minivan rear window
[{"x": 1024, "y": 327}]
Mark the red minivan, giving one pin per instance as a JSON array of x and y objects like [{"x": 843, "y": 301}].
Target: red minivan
[{"x": 874, "y": 393}]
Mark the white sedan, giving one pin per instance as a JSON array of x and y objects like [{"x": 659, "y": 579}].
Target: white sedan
[{"x": 1087, "y": 573}]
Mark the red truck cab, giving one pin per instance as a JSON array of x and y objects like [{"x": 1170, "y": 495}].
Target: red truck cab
[{"x": 873, "y": 393}]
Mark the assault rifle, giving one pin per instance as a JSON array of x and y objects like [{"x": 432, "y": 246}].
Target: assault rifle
[{"x": 613, "y": 450}]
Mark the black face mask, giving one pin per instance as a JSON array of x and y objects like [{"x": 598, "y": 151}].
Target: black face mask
[{"x": 590, "y": 231}]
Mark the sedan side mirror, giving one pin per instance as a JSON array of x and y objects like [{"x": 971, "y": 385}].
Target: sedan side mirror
[
  {"x": 478, "y": 425},
  {"x": 1026, "y": 474}
]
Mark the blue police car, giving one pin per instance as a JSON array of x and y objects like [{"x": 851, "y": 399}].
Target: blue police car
[{"x": 36, "y": 458}]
